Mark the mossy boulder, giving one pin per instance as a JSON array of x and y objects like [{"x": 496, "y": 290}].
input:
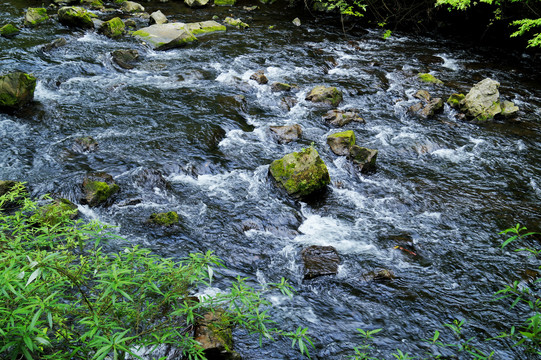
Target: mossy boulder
[
  {"x": 35, "y": 16},
  {"x": 300, "y": 173},
  {"x": 429, "y": 78},
  {"x": 482, "y": 102},
  {"x": 225, "y": 2},
  {"x": 341, "y": 142},
  {"x": 165, "y": 36},
  {"x": 98, "y": 189},
  {"x": 204, "y": 27},
  {"x": 169, "y": 218},
  {"x": 364, "y": 158},
  {"x": 259, "y": 77},
  {"x": 287, "y": 133},
  {"x": 113, "y": 28},
  {"x": 236, "y": 22},
  {"x": 9, "y": 31},
  {"x": 16, "y": 90},
  {"x": 125, "y": 58},
  {"x": 75, "y": 16},
  {"x": 341, "y": 118},
  {"x": 196, "y": 3},
  {"x": 53, "y": 213},
  {"x": 93, "y": 4},
  {"x": 132, "y": 7},
  {"x": 455, "y": 100},
  {"x": 279, "y": 87},
  {"x": 213, "y": 331},
  {"x": 327, "y": 95}
]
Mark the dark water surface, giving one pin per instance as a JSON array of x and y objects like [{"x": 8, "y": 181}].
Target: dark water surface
[{"x": 443, "y": 187}]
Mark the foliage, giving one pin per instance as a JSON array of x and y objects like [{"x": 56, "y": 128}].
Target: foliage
[
  {"x": 524, "y": 25},
  {"x": 345, "y": 7},
  {"x": 64, "y": 296}
]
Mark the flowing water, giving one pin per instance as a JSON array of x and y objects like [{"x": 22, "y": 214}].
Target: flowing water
[{"x": 443, "y": 187}]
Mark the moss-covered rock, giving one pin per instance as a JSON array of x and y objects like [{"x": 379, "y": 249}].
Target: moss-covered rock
[
  {"x": 204, "y": 27},
  {"x": 132, "y": 7},
  {"x": 165, "y": 36},
  {"x": 287, "y": 133},
  {"x": 16, "y": 90},
  {"x": 225, "y": 2},
  {"x": 35, "y": 16},
  {"x": 279, "y": 87},
  {"x": 169, "y": 218},
  {"x": 341, "y": 142},
  {"x": 340, "y": 118},
  {"x": 300, "y": 173},
  {"x": 455, "y": 100},
  {"x": 429, "y": 78},
  {"x": 327, "y": 95},
  {"x": 363, "y": 157},
  {"x": 98, "y": 189},
  {"x": 213, "y": 331},
  {"x": 509, "y": 109},
  {"x": 482, "y": 102},
  {"x": 75, "y": 16},
  {"x": 53, "y": 213},
  {"x": 196, "y": 3},
  {"x": 9, "y": 31},
  {"x": 85, "y": 144},
  {"x": 93, "y": 4},
  {"x": 113, "y": 28},
  {"x": 259, "y": 77},
  {"x": 236, "y": 22}
]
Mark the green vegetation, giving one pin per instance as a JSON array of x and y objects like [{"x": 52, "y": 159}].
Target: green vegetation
[
  {"x": 65, "y": 296},
  {"x": 164, "y": 219},
  {"x": 525, "y": 26}
]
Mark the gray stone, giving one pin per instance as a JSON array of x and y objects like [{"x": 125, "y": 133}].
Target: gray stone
[
  {"x": 319, "y": 261},
  {"x": 157, "y": 17},
  {"x": 196, "y": 3},
  {"x": 287, "y": 133},
  {"x": 131, "y": 7},
  {"x": 165, "y": 36},
  {"x": 340, "y": 118},
  {"x": 363, "y": 157},
  {"x": 483, "y": 101}
]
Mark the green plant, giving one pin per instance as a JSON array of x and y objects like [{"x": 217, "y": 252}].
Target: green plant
[{"x": 65, "y": 296}]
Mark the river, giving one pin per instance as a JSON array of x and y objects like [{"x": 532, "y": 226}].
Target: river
[{"x": 443, "y": 188}]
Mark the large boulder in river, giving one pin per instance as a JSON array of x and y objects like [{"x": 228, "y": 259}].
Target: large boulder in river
[
  {"x": 16, "y": 89},
  {"x": 9, "y": 31},
  {"x": 364, "y": 158},
  {"x": 341, "y": 142},
  {"x": 113, "y": 28},
  {"x": 196, "y": 3},
  {"x": 483, "y": 101},
  {"x": 98, "y": 188},
  {"x": 204, "y": 27},
  {"x": 75, "y": 16},
  {"x": 319, "y": 261},
  {"x": 327, "y": 95},
  {"x": 35, "y": 16},
  {"x": 165, "y": 36},
  {"x": 300, "y": 173}
]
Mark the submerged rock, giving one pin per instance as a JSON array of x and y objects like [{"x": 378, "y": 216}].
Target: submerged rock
[
  {"x": 296, "y": 21},
  {"x": 75, "y": 16},
  {"x": 288, "y": 102},
  {"x": 151, "y": 179},
  {"x": 382, "y": 275},
  {"x": 300, "y": 173},
  {"x": 483, "y": 100},
  {"x": 363, "y": 157},
  {"x": 165, "y": 36},
  {"x": 125, "y": 58},
  {"x": 287, "y": 133},
  {"x": 54, "y": 44},
  {"x": 327, "y": 95},
  {"x": 278, "y": 87},
  {"x": 196, "y": 3},
  {"x": 113, "y": 28},
  {"x": 85, "y": 144},
  {"x": 236, "y": 22},
  {"x": 35, "y": 16},
  {"x": 132, "y": 7},
  {"x": 319, "y": 261},
  {"x": 429, "y": 78},
  {"x": 341, "y": 118},
  {"x": 98, "y": 189},
  {"x": 341, "y": 142},
  {"x": 428, "y": 106},
  {"x": 157, "y": 17},
  {"x": 259, "y": 77},
  {"x": 169, "y": 218},
  {"x": 9, "y": 31},
  {"x": 16, "y": 90}
]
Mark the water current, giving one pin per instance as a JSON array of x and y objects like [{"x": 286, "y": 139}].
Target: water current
[{"x": 443, "y": 187}]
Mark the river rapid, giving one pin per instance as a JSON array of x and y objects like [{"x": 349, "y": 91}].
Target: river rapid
[{"x": 442, "y": 190}]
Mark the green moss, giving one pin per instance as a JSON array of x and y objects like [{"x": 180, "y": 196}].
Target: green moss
[
  {"x": 209, "y": 29},
  {"x": 164, "y": 219},
  {"x": 224, "y": 2},
  {"x": 98, "y": 192},
  {"x": 9, "y": 30},
  {"x": 300, "y": 173},
  {"x": 35, "y": 16},
  {"x": 54, "y": 213},
  {"x": 346, "y": 134},
  {"x": 328, "y": 95},
  {"x": 429, "y": 78},
  {"x": 140, "y": 33},
  {"x": 236, "y": 22},
  {"x": 455, "y": 100},
  {"x": 113, "y": 28},
  {"x": 16, "y": 89}
]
